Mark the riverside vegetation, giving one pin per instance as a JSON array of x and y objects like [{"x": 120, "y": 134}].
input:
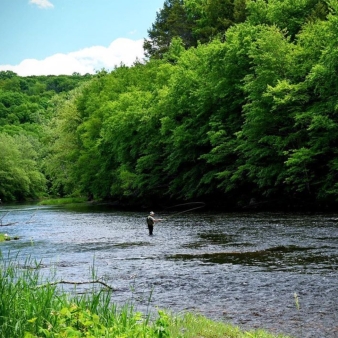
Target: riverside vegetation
[
  {"x": 4, "y": 237},
  {"x": 34, "y": 307},
  {"x": 236, "y": 103}
]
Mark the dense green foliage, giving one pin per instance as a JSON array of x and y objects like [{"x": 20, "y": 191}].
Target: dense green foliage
[
  {"x": 192, "y": 21},
  {"x": 236, "y": 103},
  {"x": 25, "y": 109}
]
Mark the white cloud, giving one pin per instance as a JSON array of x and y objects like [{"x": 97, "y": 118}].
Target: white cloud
[
  {"x": 87, "y": 60},
  {"x": 42, "y": 3}
]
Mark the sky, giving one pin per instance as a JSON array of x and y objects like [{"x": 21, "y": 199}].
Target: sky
[{"x": 54, "y": 37}]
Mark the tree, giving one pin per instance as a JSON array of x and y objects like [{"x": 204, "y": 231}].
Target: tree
[
  {"x": 171, "y": 22},
  {"x": 7, "y": 74},
  {"x": 212, "y": 18},
  {"x": 312, "y": 165},
  {"x": 63, "y": 147},
  {"x": 131, "y": 140},
  {"x": 20, "y": 176},
  {"x": 267, "y": 129}
]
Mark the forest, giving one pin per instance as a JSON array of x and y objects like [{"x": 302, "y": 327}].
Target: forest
[{"x": 235, "y": 105}]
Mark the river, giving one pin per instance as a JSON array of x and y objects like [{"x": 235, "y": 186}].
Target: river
[{"x": 249, "y": 269}]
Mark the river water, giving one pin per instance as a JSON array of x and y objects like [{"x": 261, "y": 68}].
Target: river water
[{"x": 249, "y": 269}]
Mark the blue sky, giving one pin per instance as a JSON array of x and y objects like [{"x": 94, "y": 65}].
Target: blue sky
[{"x": 41, "y": 37}]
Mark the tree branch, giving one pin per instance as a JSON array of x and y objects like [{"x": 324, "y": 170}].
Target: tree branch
[
  {"x": 7, "y": 224},
  {"x": 77, "y": 283}
]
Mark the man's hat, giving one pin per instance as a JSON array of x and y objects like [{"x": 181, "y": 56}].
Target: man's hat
[{"x": 152, "y": 213}]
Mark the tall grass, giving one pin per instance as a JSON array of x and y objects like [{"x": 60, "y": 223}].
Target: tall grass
[
  {"x": 31, "y": 306},
  {"x": 21, "y": 299}
]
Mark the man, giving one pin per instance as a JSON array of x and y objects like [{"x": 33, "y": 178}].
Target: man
[{"x": 151, "y": 221}]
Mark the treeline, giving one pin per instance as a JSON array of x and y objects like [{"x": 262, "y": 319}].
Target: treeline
[
  {"x": 26, "y": 107},
  {"x": 247, "y": 116}
]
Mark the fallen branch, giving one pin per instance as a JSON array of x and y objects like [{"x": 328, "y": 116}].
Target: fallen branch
[
  {"x": 78, "y": 283},
  {"x": 7, "y": 224}
]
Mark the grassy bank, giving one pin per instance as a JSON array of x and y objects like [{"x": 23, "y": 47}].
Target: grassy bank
[
  {"x": 64, "y": 200},
  {"x": 34, "y": 307}
]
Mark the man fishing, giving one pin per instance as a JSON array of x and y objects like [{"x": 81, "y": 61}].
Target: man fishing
[{"x": 151, "y": 221}]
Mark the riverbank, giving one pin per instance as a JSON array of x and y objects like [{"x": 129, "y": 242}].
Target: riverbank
[
  {"x": 39, "y": 308},
  {"x": 207, "y": 204}
]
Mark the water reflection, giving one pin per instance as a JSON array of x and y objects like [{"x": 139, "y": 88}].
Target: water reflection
[
  {"x": 244, "y": 268},
  {"x": 279, "y": 258}
]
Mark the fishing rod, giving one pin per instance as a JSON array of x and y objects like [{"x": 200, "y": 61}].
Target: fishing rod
[
  {"x": 201, "y": 205},
  {"x": 3, "y": 217}
]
